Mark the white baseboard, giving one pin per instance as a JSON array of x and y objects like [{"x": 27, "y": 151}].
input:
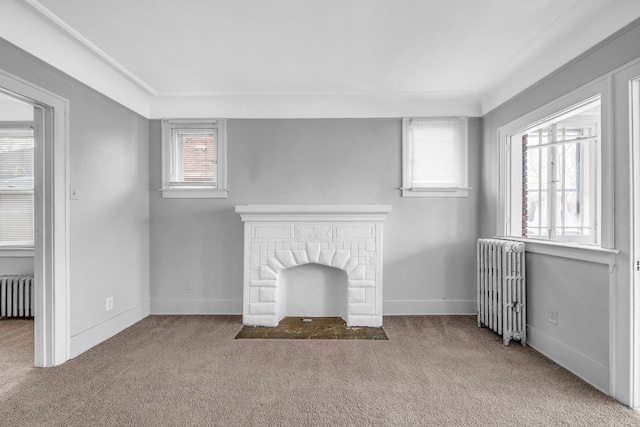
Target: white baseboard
[
  {"x": 93, "y": 336},
  {"x": 390, "y": 308},
  {"x": 426, "y": 307},
  {"x": 196, "y": 306},
  {"x": 593, "y": 372}
]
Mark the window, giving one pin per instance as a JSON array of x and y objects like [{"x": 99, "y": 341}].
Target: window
[
  {"x": 554, "y": 178},
  {"x": 194, "y": 159},
  {"x": 16, "y": 186},
  {"x": 434, "y": 156}
]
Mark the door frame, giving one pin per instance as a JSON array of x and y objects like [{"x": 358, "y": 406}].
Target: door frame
[
  {"x": 51, "y": 218},
  {"x": 634, "y": 137}
]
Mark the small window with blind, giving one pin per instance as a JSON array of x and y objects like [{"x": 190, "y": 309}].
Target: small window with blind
[
  {"x": 16, "y": 186},
  {"x": 194, "y": 159},
  {"x": 434, "y": 157}
]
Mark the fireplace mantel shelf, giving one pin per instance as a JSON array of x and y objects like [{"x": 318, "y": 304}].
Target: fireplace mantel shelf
[{"x": 274, "y": 212}]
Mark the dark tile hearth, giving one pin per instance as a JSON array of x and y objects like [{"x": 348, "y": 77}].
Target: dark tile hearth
[{"x": 328, "y": 328}]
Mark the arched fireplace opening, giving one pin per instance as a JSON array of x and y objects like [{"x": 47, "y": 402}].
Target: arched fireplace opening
[{"x": 314, "y": 290}]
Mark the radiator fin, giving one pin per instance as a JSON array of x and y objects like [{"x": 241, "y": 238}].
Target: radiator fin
[
  {"x": 16, "y": 296},
  {"x": 502, "y": 289}
]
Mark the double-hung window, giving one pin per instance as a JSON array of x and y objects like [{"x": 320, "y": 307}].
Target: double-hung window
[
  {"x": 194, "y": 159},
  {"x": 555, "y": 174},
  {"x": 434, "y": 157},
  {"x": 16, "y": 187}
]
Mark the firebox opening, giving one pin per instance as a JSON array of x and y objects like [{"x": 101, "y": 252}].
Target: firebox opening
[{"x": 314, "y": 290}]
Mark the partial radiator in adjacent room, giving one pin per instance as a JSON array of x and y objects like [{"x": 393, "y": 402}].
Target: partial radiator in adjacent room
[
  {"x": 16, "y": 296},
  {"x": 502, "y": 291}
]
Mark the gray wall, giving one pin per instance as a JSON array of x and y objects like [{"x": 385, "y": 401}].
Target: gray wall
[
  {"x": 580, "y": 291},
  {"x": 16, "y": 265},
  {"x": 108, "y": 224},
  {"x": 429, "y": 244}
]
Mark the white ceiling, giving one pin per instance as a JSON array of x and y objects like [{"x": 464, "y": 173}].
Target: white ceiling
[{"x": 311, "y": 58}]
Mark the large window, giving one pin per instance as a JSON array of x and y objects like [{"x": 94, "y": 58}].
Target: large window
[
  {"x": 16, "y": 186},
  {"x": 434, "y": 152},
  {"x": 554, "y": 176},
  {"x": 194, "y": 158}
]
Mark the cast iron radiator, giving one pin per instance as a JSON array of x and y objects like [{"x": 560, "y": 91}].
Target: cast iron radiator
[
  {"x": 502, "y": 291},
  {"x": 16, "y": 296}
]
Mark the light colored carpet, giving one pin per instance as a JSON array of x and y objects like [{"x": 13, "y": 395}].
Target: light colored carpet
[{"x": 189, "y": 370}]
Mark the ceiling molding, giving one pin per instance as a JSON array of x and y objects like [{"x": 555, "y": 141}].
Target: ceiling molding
[
  {"x": 314, "y": 105},
  {"x": 76, "y": 35},
  {"x": 24, "y": 28},
  {"x": 586, "y": 40}
]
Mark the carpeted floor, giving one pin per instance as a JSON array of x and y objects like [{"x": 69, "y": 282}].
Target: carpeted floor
[{"x": 189, "y": 370}]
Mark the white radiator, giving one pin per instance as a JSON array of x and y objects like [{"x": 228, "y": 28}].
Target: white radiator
[
  {"x": 16, "y": 296},
  {"x": 502, "y": 291}
]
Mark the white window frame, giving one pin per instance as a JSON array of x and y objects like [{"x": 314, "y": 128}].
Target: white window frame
[
  {"x": 194, "y": 190},
  {"x": 408, "y": 190},
  {"x": 510, "y": 171}
]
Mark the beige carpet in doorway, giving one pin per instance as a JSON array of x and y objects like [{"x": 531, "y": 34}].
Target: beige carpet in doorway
[{"x": 189, "y": 370}]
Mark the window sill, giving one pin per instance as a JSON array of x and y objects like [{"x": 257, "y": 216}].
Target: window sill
[
  {"x": 577, "y": 251},
  {"x": 16, "y": 252},
  {"x": 433, "y": 193},
  {"x": 193, "y": 193}
]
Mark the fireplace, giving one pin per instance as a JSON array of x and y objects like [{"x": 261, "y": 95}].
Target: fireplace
[{"x": 345, "y": 237}]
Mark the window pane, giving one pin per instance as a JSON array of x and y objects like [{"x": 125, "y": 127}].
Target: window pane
[
  {"x": 559, "y": 167},
  {"x": 195, "y": 154},
  {"x": 16, "y": 186},
  {"x": 535, "y": 193}
]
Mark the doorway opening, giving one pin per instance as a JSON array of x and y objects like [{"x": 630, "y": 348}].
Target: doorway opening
[
  {"x": 50, "y": 217},
  {"x": 16, "y": 232}
]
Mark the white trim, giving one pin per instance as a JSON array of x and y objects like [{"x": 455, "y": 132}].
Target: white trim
[
  {"x": 16, "y": 253},
  {"x": 634, "y": 160},
  {"x": 51, "y": 253},
  {"x": 575, "y": 251},
  {"x": 93, "y": 336},
  {"x": 435, "y": 192},
  {"x": 193, "y": 193},
  {"x": 429, "y": 307},
  {"x": 196, "y": 306},
  {"x": 592, "y": 371}
]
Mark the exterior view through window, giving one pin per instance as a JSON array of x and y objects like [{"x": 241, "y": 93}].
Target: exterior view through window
[
  {"x": 194, "y": 148},
  {"x": 560, "y": 176}
]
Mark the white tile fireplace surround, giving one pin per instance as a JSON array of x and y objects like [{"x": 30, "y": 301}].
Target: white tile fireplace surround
[{"x": 345, "y": 237}]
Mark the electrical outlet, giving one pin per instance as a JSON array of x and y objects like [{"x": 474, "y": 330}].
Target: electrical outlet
[
  {"x": 552, "y": 316},
  {"x": 189, "y": 285},
  {"x": 109, "y": 305}
]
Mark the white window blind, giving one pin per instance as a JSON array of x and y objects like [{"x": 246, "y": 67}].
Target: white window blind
[
  {"x": 435, "y": 154},
  {"x": 16, "y": 186}
]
